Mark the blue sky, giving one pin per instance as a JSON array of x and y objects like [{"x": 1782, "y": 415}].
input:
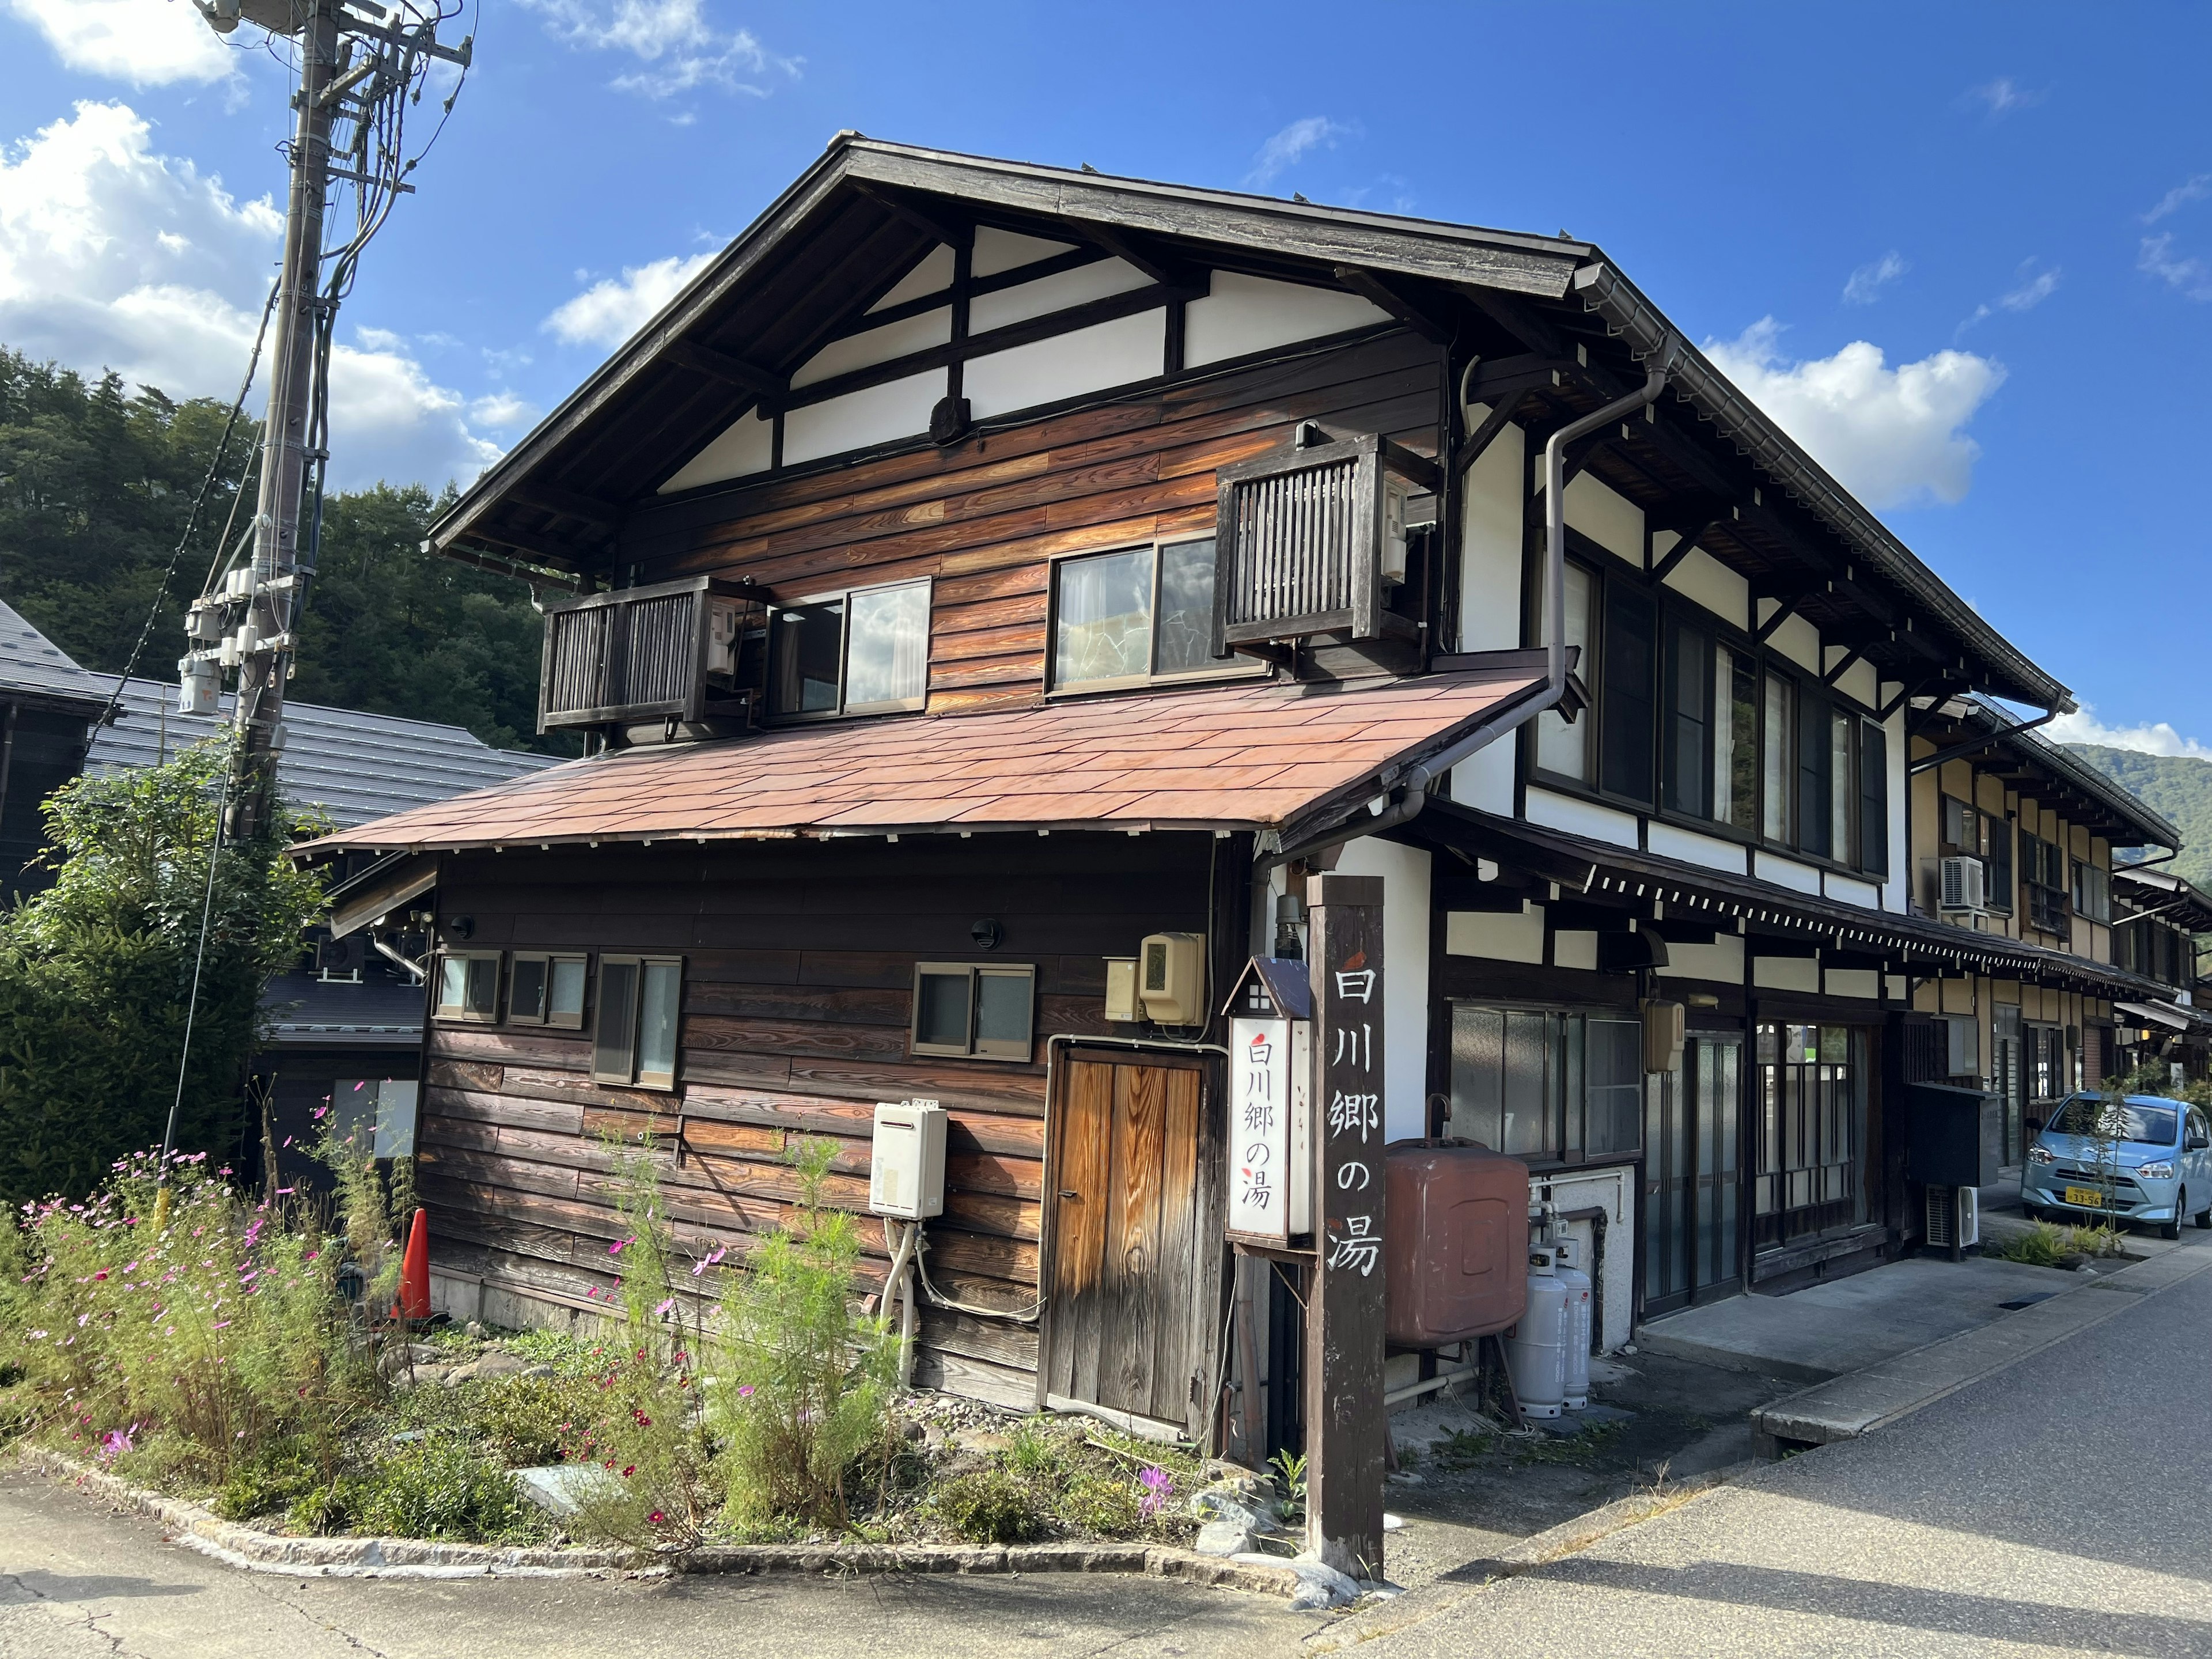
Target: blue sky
[{"x": 1964, "y": 252}]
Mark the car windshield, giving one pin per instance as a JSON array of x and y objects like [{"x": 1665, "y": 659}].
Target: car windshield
[{"x": 2129, "y": 1120}]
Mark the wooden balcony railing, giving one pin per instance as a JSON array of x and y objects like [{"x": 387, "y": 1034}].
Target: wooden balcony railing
[{"x": 683, "y": 651}]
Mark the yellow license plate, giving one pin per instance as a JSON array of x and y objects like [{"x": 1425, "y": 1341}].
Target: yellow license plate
[{"x": 2086, "y": 1196}]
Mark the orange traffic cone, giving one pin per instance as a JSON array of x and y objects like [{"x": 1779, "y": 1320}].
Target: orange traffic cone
[{"x": 415, "y": 1271}]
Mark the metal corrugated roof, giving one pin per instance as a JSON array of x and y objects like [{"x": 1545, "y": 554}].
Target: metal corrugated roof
[{"x": 355, "y": 767}]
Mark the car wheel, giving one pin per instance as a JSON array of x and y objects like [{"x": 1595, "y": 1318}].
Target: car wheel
[
  {"x": 2173, "y": 1228},
  {"x": 2204, "y": 1217}
]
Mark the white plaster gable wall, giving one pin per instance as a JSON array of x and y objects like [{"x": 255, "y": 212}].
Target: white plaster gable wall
[
  {"x": 747, "y": 446},
  {"x": 1243, "y": 314},
  {"x": 997, "y": 250},
  {"x": 1405, "y": 873},
  {"x": 876, "y": 345},
  {"x": 933, "y": 273},
  {"x": 1066, "y": 365},
  {"x": 1798, "y": 639},
  {"x": 1860, "y": 681},
  {"x": 1057, "y": 293},
  {"x": 876, "y": 414}
]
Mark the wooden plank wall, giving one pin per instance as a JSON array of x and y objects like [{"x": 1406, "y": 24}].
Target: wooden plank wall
[
  {"x": 798, "y": 973},
  {"x": 984, "y": 517}
]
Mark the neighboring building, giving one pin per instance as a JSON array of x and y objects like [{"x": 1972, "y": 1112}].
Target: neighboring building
[
  {"x": 358, "y": 1018},
  {"x": 2157, "y": 919},
  {"x": 995, "y": 565}
]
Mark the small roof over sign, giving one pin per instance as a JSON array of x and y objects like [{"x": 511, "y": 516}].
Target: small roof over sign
[{"x": 1272, "y": 987}]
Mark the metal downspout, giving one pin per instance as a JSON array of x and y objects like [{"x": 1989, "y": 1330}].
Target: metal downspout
[{"x": 1411, "y": 791}]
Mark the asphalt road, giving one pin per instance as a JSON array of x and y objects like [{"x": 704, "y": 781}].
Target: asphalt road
[{"x": 2061, "y": 1506}]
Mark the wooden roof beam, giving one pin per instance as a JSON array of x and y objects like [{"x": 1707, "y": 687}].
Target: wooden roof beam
[
  {"x": 1380, "y": 294},
  {"x": 569, "y": 504},
  {"x": 721, "y": 365},
  {"x": 896, "y": 202},
  {"x": 1131, "y": 249}
]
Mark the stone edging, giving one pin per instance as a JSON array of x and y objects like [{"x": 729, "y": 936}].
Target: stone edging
[{"x": 251, "y": 1550}]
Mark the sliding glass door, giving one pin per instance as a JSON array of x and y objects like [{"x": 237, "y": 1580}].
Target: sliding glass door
[{"x": 1692, "y": 1220}]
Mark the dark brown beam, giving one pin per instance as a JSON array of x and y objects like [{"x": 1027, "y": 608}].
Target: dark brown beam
[
  {"x": 750, "y": 377},
  {"x": 1842, "y": 668},
  {"x": 1501, "y": 414},
  {"x": 1681, "y": 549},
  {"x": 1165, "y": 269},
  {"x": 525, "y": 541},
  {"x": 499, "y": 567},
  {"x": 1378, "y": 293},
  {"x": 1519, "y": 319},
  {"x": 1787, "y": 610},
  {"x": 897, "y": 204},
  {"x": 569, "y": 504}
]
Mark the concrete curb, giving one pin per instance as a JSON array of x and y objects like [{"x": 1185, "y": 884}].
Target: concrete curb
[
  {"x": 250, "y": 1550},
  {"x": 1858, "y": 1402}
]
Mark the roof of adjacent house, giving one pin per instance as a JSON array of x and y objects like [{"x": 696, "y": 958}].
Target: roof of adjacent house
[
  {"x": 355, "y": 767},
  {"x": 2153, "y": 888},
  {"x": 1258, "y": 756},
  {"x": 1997, "y": 743},
  {"x": 1569, "y": 328}
]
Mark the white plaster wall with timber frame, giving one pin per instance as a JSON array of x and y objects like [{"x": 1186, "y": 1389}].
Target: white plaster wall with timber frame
[
  {"x": 876, "y": 345},
  {"x": 1243, "y": 314},
  {"x": 1405, "y": 873},
  {"x": 1117, "y": 353},
  {"x": 1704, "y": 580},
  {"x": 1499, "y": 936},
  {"x": 1492, "y": 538},
  {"x": 1786, "y": 974},
  {"x": 1578, "y": 817},
  {"x": 857, "y": 420},
  {"x": 1059, "y": 292},
  {"x": 1721, "y": 962},
  {"x": 1897, "y": 890},
  {"x": 748, "y": 445},
  {"x": 1670, "y": 841}
]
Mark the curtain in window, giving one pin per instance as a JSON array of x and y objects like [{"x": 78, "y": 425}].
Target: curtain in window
[
  {"x": 1103, "y": 621},
  {"x": 887, "y": 660}
]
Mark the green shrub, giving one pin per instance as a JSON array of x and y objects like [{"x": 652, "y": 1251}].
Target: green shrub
[
  {"x": 526, "y": 1419},
  {"x": 440, "y": 1487},
  {"x": 806, "y": 1379},
  {"x": 990, "y": 1506},
  {"x": 2041, "y": 1246}
]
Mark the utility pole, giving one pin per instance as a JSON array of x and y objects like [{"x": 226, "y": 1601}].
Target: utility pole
[
  {"x": 272, "y": 604},
  {"x": 362, "y": 62}
]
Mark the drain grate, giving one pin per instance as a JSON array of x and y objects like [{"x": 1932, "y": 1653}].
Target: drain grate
[{"x": 2020, "y": 1302}]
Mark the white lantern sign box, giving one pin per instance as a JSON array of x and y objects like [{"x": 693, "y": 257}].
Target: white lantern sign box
[{"x": 1270, "y": 1174}]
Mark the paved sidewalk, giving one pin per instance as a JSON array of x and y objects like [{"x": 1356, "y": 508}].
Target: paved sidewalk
[{"x": 1848, "y": 1324}]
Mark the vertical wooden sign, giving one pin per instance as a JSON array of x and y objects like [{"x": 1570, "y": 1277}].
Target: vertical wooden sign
[
  {"x": 1259, "y": 1175},
  {"x": 1345, "y": 1305}
]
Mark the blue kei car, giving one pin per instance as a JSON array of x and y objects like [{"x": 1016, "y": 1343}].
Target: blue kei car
[{"x": 2160, "y": 1168}]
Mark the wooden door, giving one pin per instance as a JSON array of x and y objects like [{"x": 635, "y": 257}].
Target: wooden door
[{"x": 1128, "y": 1268}]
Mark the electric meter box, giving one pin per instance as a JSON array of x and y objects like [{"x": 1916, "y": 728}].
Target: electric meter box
[
  {"x": 1171, "y": 978},
  {"x": 906, "y": 1165},
  {"x": 1122, "y": 1003}
]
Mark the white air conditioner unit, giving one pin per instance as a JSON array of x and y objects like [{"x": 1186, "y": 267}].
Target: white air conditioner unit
[
  {"x": 1953, "y": 1216},
  {"x": 1963, "y": 886}
]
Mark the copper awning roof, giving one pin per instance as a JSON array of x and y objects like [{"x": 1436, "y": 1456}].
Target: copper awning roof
[{"x": 1268, "y": 756}]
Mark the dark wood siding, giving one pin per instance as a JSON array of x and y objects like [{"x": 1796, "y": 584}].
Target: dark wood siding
[
  {"x": 984, "y": 517},
  {"x": 798, "y": 972}
]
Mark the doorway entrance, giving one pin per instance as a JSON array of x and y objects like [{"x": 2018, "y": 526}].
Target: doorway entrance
[
  {"x": 1691, "y": 1177},
  {"x": 1130, "y": 1271}
]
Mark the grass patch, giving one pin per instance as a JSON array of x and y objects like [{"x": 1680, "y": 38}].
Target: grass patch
[
  {"x": 1586, "y": 1445},
  {"x": 1058, "y": 1478}
]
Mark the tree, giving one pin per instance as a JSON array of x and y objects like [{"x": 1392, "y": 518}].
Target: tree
[{"x": 96, "y": 973}]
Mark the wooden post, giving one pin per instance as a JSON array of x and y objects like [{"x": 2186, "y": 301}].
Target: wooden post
[{"x": 1345, "y": 1412}]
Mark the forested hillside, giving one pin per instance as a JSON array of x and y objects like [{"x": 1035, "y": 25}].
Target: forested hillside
[
  {"x": 2177, "y": 785},
  {"x": 95, "y": 483}
]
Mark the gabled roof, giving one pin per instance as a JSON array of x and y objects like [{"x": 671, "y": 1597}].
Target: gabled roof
[
  {"x": 2155, "y": 888},
  {"x": 1253, "y": 757},
  {"x": 1548, "y": 323},
  {"x": 355, "y": 767}
]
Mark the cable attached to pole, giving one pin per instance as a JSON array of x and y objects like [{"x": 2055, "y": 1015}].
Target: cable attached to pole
[{"x": 192, "y": 1012}]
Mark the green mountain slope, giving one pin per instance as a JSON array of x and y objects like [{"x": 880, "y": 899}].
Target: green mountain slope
[{"x": 2177, "y": 785}]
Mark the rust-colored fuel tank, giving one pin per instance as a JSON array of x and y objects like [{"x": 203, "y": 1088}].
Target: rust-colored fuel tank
[{"x": 1457, "y": 1234}]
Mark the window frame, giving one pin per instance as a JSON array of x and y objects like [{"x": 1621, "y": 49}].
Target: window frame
[
  {"x": 630, "y": 1076},
  {"x": 1566, "y": 1073},
  {"x": 844, "y": 597},
  {"x": 1236, "y": 665},
  {"x": 1812, "y": 701},
  {"x": 549, "y": 1019},
  {"x": 459, "y": 1014},
  {"x": 1003, "y": 1051}
]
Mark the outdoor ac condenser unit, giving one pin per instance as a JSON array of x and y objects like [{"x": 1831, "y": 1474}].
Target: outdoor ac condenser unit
[
  {"x": 1963, "y": 886},
  {"x": 1955, "y": 1219}
]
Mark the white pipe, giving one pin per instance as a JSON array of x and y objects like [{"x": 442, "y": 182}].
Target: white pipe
[{"x": 1428, "y": 1384}]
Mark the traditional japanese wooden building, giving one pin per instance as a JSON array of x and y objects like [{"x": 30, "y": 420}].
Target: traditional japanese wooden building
[{"x": 981, "y": 569}]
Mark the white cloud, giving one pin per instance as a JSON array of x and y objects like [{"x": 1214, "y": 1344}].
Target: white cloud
[
  {"x": 113, "y": 255},
  {"x": 2189, "y": 190},
  {"x": 503, "y": 412},
  {"x": 1868, "y": 282},
  {"x": 1287, "y": 148},
  {"x": 2157, "y": 738},
  {"x": 147, "y": 43},
  {"x": 2001, "y": 96},
  {"x": 1893, "y": 436},
  {"x": 2033, "y": 290},
  {"x": 2185, "y": 274},
  {"x": 611, "y": 310},
  {"x": 680, "y": 51}
]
